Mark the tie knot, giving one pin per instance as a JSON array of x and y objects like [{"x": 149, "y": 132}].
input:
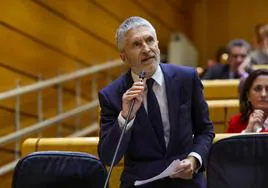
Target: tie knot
[{"x": 150, "y": 83}]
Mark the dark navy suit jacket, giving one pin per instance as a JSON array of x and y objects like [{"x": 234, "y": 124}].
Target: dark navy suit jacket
[{"x": 190, "y": 128}]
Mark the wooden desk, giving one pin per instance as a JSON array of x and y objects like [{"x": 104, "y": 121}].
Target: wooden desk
[
  {"x": 255, "y": 67},
  {"x": 220, "y": 112},
  {"x": 220, "y": 89}
]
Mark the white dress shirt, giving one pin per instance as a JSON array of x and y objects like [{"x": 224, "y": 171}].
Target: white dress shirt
[{"x": 159, "y": 89}]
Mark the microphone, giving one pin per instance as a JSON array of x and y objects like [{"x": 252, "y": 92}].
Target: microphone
[{"x": 141, "y": 77}]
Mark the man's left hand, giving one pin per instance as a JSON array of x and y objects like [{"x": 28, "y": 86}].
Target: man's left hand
[{"x": 186, "y": 169}]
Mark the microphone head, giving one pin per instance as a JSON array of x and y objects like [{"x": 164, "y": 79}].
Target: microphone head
[{"x": 142, "y": 74}]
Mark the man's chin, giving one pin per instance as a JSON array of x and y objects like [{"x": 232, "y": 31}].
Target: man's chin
[{"x": 150, "y": 69}]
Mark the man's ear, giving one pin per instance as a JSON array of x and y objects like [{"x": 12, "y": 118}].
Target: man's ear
[{"x": 157, "y": 42}]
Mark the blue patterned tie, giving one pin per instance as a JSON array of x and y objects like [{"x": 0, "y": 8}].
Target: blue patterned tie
[{"x": 154, "y": 112}]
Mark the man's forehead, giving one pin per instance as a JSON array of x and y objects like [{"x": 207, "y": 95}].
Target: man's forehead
[
  {"x": 239, "y": 49},
  {"x": 139, "y": 33}
]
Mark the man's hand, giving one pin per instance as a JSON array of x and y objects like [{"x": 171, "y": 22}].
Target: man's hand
[
  {"x": 135, "y": 92},
  {"x": 243, "y": 66},
  {"x": 187, "y": 168}
]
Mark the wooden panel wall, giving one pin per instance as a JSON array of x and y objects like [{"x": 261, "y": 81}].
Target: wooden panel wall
[
  {"x": 215, "y": 23},
  {"x": 50, "y": 37}
]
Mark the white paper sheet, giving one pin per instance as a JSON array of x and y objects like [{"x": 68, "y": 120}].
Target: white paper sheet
[{"x": 170, "y": 170}]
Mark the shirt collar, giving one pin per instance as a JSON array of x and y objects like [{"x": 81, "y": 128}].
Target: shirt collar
[{"x": 157, "y": 76}]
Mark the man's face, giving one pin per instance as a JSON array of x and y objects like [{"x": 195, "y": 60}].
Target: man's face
[
  {"x": 237, "y": 56},
  {"x": 141, "y": 50}
]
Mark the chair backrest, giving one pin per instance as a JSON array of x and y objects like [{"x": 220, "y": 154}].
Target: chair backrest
[
  {"x": 239, "y": 161},
  {"x": 53, "y": 169}
]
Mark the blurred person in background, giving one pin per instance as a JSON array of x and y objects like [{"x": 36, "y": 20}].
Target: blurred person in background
[
  {"x": 238, "y": 50},
  {"x": 253, "y": 116},
  {"x": 221, "y": 58},
  {"x": 256, "y": 39}
]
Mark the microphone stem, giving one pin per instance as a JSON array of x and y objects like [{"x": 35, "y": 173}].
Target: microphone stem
[{"x": 119, "y": 142}]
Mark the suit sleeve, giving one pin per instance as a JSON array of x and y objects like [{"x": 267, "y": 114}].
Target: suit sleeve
[
  {"x": 110, "y": 132},
  {"x": 202, "y": 126}
]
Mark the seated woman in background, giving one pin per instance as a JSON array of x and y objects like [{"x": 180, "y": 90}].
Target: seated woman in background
[{"x": 253, "y": 116}]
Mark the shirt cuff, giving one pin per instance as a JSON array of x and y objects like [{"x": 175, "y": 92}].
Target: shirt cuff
[
  {"x": 259, "y": 130},
  {"x": 244, "y": 131},
  {"x": 244, "y": 75},
  {"x": 198, "y": 157},
  {"x": 121, "y": 122}
]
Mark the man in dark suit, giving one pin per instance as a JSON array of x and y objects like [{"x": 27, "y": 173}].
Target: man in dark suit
[
  {"x": 238, "y": 50},
  {"x": 182, "y": 130}
]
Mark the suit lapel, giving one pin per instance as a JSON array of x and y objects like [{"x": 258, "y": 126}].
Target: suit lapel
[
  {"x": 128, "y": 81},
  {"x": 173, "y": 85},
  {"x": 173, "y": 93},
  {"x": 142, "y": 118}
]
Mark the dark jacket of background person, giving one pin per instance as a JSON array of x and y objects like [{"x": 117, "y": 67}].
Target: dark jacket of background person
[{"x": 219, "y": 71}]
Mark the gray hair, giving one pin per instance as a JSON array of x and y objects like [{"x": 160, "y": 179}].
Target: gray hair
[
  {"x": 240, "y": 43},
  {"x": 128, "y": 24}
]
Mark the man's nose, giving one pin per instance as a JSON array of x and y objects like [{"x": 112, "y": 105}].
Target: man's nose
[
  {"x": 240, "y": 59},
  {"x": 146, "y": 48}
]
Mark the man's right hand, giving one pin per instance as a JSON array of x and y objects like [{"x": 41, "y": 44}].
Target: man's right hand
[
  {"x": 244, "y": 66},
  {"x": 136, "y": 92}
]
